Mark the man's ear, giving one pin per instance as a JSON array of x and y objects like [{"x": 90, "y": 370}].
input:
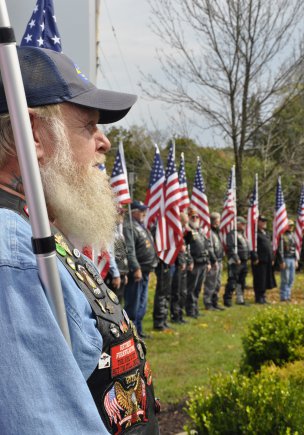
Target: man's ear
[{"x": 35, "y": 123}]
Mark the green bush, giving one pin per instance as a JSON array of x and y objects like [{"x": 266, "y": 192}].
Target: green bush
[
  {"x": 265, "y": 404},
  {"x": 274, "y": 335}
]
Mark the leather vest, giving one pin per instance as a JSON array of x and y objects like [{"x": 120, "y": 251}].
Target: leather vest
[
  {"x": 199, "y": 247},
  {"x": 121, "y": 384}
]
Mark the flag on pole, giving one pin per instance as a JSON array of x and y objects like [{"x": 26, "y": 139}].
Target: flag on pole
[
  {"x": 300, "y": 224},
  {"x": 228, "y": 216},
  {"x": 155, "y": 193},
  {"x": 280, "y": 221},
  {"x": 184, "y": 201},
  {"x": 174, "y": 232},
  {"x": 42, "y": 30},
  {"x": 252, "y": 217},
  {"x": 199, "y": 198},
  {"x": 119, "y": 177}
]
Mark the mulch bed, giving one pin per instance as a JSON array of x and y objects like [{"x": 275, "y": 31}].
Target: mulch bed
[{"x": 172, "y": 418}]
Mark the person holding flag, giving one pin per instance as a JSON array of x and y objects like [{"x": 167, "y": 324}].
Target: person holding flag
[
  {"x": 284, "y": 244},
  {"x": 287, "y": 258},
  {"x": 173, "y": 237},
  {"x": 47, "y": 386},
  {"x": 142, "y": 260},
  {"x": 238, "y": 255},
  {"x": 262, "y": 263}
]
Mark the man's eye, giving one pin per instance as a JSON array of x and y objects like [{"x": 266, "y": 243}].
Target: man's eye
[{"x": 91, "y": 126}]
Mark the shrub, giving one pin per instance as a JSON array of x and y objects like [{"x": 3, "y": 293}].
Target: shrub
[
  {"x": 265, "y": 404},
  {"x": 274, "y": 335}
]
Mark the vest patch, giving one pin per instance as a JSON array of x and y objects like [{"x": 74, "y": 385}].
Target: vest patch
[
  {"x": 126, "y": 406},
  {"x": 124, "y": 357}
]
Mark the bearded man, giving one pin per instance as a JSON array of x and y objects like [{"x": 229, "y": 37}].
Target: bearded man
[
  {"x": 47, "y": 388},
  {"x": 200, "y": 252}
]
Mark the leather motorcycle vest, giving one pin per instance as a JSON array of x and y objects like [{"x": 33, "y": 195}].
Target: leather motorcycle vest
[
  {"x": 121, "y": 384},
  {"x": 199, "y": 246}
]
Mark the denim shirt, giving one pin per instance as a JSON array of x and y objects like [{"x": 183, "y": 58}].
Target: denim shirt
[{"x": 42, "y": 383}]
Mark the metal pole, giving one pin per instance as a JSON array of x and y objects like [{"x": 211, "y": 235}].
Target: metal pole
[
  {"x": 258, "y": 212},
  {"x": 235, "y": 210},
  {"x": 15, "y": 96}
]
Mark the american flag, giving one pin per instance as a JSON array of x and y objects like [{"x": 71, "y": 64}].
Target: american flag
[
  {"x": 300, "y": 224},
  {"x": 174, "y": 232},
  {"x": 112, "y": 407},
  {"x": 229, "y": 210},
  {"x": 119, "y": 177},
  {"x": 280, "y": 221},
  {"x": 42, "y": 30},
  {"x": 199, "y": 198},
  {"x": 252, "y": 217},
  {"x": 155, "y": 194},
  {"x": 184, "y": 201}
]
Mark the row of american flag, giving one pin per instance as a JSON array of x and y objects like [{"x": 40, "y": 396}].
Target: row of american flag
[
  {"x": 167, "y": 193},
  {"x": 167, "y": 196}
]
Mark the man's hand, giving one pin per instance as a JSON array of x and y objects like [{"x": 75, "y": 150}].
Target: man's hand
[
  {"x": 190, "y": 267},
  {"x": 283, "y": 265},
  {"x": 208, "y": 267},
  {"x": 137, "y": 275},
  {"x": 116, "y": 282}
]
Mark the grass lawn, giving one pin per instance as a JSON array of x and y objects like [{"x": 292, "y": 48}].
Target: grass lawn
[{"x": 186, "y": 356}]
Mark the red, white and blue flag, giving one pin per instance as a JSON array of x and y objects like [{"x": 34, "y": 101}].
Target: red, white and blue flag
[
  {"x": 155, "y": 194},
  {"x": 280, "y": 221},
  {"x": 112, "y": 406},
  {"x": 184, "y": 201},
  {"x": 119, "y": 177},
  {"x": 300, "y": 224},
  {"x": 42, "y": 30},
  {"x": 228, "y": 216},
  {"x": 252, "y": 217},
  {"x": 199, "y": 199},
  {"x": 174, "y": 232}
]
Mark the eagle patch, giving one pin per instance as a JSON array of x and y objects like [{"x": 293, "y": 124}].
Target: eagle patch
[{"x": 126, "y": 406}]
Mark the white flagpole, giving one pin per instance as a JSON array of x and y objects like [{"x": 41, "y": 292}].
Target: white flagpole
[
  {"x": 235, "y": 209},
  {"x": 258, "y": 212}
]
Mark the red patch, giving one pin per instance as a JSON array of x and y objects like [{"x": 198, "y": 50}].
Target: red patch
[
  {"x": 124, "y": 357},
  {"x": 25, "y": 209}
]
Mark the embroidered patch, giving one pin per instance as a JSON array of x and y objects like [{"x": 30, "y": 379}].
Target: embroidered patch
[
  {"x": 124, "y": 357},
  {"x": 126, "y": 406},
  {"x": 104, "y": 361}
]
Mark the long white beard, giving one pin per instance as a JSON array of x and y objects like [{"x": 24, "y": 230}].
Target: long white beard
[{"x": 80, "y": 199}]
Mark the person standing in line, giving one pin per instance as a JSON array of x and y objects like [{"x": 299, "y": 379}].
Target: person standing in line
[
  {"x": 142, "y": 260},
  {"x": 237, "y": 264},
  {"x": 287, "y": 258},
  {"x": 47, "y": 387},
  {"x": 262, "y": 263},
  {"x": 200, "y": 253},
  {"x": 117, "y": 276},
  {"x": 179, "y": 279},
  {"x": 213, "y": 279}
]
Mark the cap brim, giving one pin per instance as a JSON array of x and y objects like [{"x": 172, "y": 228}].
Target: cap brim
[{"x": 112, "y": 105}]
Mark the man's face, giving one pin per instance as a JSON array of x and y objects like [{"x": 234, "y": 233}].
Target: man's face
[
  {"x": 216, "y": 223},
  {"x": 139, "y": 215},
  {"x": 194, "y": 221},
  {"x": 262, "y": 225},
  {"x": 87, "y": 141},
  {"x": 78, "y": 194},
  {"x": 241, "y": 226}
]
